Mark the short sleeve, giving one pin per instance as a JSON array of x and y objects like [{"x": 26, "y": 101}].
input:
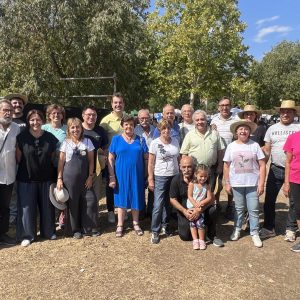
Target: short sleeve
[
  {"x": 53, "y": 141},
  {"x": 113, "y": 145},
  {"x": 104, "y": 140},
  {"x": 174, "y": 189},
  {"x": 260, "y": 153},
  {"x": 227, "y": 155},
  {"x": 63, "y": 147},
  {"x": 221, "y": 145},
  {"x": 152, "y": 148},
  {"x": 89, "y": 145},
  {"x": 185, "y": 145},
  {"x": 288, "y": 144}
]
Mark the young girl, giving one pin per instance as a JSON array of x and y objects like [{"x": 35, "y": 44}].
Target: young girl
[
  {"x": 75, "y": 171},
  {"x": 199, "y": 194}
]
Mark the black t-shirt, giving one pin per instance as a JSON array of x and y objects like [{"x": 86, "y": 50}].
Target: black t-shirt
[
  {"x": 36, "y": 162},
  {"x": 179, "y": 189},
  {"x": 259, "y": 135},
  {"x": 21, "y": 122}
]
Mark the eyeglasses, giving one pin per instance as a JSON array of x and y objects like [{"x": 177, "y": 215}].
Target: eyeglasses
[
  {"x": 7, "y": 111},
  {"x": 91, "y": 115},
  {"x": 144, "y": 119},
  {"x": 37, "y": 148}
]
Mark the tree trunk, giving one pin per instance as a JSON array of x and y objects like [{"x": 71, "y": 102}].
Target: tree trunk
[{"x": 192, "y": 99}]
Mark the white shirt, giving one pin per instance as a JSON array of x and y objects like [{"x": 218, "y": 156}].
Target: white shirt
[
  {"x": 166, "y": 163},
  {"x": 8, "y": 164},
  {"x": 68, "y": 147}
]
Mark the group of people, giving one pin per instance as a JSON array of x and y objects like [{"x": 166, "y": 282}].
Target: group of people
[{"x": 49, "y": 164}]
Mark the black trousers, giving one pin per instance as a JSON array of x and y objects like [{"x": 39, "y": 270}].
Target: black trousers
[
  {"x": 210, "y": 221},
  {"x": 5, "y": 195}
]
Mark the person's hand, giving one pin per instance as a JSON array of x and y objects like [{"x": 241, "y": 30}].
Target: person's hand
[
  {"x": 260, "y": 190},
  {"x": 214, "y": 127},
  {"x": 59, "y": 184},
  {"x": 198, "y": 205},
  {"x": 89, "y": 182},
  {"x": 193, "y": 214},
  {"x": 228, "y": 189},
  {"x": 112, "y": 182},
  {"x": 286, "y": 189},
  {"x": 151, "y": 184}
]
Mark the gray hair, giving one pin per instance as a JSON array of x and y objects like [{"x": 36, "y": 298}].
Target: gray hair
[
  {"x": 144, "y": 110},
  {"x": 199, "y": 112},
  {"x": 168, "y": 105},
  {"x": 5, "y": 101},
  {"x": 191, "y": 107}
]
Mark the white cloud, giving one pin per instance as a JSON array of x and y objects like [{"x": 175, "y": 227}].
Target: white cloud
[
  {"x": 260, "y": 22},
  {"x": 259, "y": 38}
]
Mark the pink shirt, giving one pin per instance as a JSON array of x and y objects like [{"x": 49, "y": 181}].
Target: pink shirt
[{"x": 292, "y": 145}]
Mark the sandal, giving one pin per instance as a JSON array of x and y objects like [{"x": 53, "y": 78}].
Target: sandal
[
  {"x": 119, "y": 231},
  {"x": 137, "y": 229}
]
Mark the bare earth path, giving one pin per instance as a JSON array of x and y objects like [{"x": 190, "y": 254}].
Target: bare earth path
[{"x": 131, "y": 268}]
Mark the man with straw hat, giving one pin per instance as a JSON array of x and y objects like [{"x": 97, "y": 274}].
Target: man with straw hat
[{"x": 275, "y": 139}]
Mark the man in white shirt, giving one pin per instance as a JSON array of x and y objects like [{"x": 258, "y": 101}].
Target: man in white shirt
[
  {"x": 187, "y": 123},
  {"x": 275, "y": 139},
  {"x": 222, "y": 122},
  {"x": 8, "y": 133}
]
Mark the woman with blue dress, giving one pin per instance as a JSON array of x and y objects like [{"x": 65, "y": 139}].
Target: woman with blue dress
[{"x": 127, "y": 155}]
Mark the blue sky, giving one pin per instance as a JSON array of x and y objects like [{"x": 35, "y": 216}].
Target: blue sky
[{"x": 268, "y": 23}]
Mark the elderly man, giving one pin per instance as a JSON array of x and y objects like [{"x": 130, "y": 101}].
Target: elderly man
[
  {"x": 169, "y": 115},
  {"x": 18, "y": 102},
  {"x": 8, "y": 133},
  {"x": 187, "y": 123},
  {"x": 178, "y": 198},
  {"x": 204, "y": 145},
  {"x": 112, "y": 124},
  {"x": 275, "y": 139},
  {"x": 98, "y": 136},
  {"x": 145, "y": 129},
  {"x": 222, "y": 122}
]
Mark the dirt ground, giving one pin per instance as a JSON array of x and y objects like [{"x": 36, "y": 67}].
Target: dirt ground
[{"x": 131, "y": 268}]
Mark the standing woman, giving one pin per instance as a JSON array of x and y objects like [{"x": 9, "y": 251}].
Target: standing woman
[
  {"x": 162, "y": 167},
  {"x": 35, "y": 152},
  {"x": 75, "y": 171},
  {"x": 244, "y": 175},
  {"x": 126, "y": 167},
  {"x": 291, "y": 187},
  {"x": 251, "y": 114}
]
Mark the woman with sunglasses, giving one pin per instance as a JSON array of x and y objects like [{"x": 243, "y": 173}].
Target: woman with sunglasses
[
  {"x": 35, "y": 152},
  {"x": 75, "y": 171}
]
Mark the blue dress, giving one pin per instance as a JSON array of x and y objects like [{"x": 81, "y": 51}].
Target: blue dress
[{"x": 129, "y": 169}]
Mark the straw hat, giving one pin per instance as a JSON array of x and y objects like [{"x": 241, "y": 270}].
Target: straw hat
[
  {"x": 249, "y": 107},
  {"x": 250, "y": 124},
  {"x": 20, "y": 96},
  {"x": 58, "y": 198},
  {"x": 288, "y": 104}
]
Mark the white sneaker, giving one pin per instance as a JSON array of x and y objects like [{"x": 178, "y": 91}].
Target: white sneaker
[
  {"x": 111, "y": 217},
  {"x": 235, "y": 235},
  {"x": 256, "y": 241},
  {"x": 290, "y": 236},
  {"x": 53, "y": 237},
  {"x": 25, "y": 243}
]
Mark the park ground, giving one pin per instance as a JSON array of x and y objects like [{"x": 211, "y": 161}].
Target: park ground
[{"x": 106, "y": 267}]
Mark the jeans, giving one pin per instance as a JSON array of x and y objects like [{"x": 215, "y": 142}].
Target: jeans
[
  {"x": 246, "y": 197},
  {"x": 274, "y": 183},
  {"x": 161, "y": 207}
]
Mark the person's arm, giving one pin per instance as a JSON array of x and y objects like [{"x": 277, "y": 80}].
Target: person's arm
[
  {"x": 18, "y": 154},
  {"x": 209, "y": 200},
  {"x": 267, "y": 151},
  {"x": 151, "y": 162},
  {"x": 286, "y": 185},
  {"x": 60, "y": 168},
  {"x": 262, "y": 177},
  {"x": 180, "y": 208},
  {"x": 190, "y": 195},
  {"x": 226, "y": 177},
  {"x": 111, "y": 170},
  {"x": 89, "y": 180}
]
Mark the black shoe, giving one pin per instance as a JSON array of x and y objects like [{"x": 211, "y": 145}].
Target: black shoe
[
  {"x": 155, "y": 238},
  {"x": 7, "y": 240},
  {"x": 166, "y": 231}
]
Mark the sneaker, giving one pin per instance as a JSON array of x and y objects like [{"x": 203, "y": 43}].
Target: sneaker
[
  {"x": 165, "y": 231},
  {"x": 229, "y": 213},
  {"x": 265, "y": 233},
  {"x": 290, "y": 236},
  {"x": 95, "y": 233},
  {"x": 202, "y": 245},
  {"x": 77, "y": 235},
  {"x": 7, "y": 240},
  {"x": 53, "y": 237},
  {"x": 235, "y": 235},
  {"x": 25, "y": 243},
  {"x": 111, "y": 217},
  {"x": 256, "y": 241},
  {"x": 296, "y": 248},
  {"x": 155, "y": 238},
  {"x": 218, "y": 242},
  {"x": 196, "y": 245}
]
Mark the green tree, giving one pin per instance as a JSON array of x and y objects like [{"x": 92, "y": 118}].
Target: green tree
[
  {"x": 198, "y": 49},
  {"x": 277, "y": 75},
  {"x": 43, "y": 41}
]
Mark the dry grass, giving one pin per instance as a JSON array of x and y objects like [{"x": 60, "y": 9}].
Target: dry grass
[{"x": 131, "y": 268}]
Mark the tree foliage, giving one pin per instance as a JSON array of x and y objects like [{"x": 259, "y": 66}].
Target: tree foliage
[
  {"x": 43, "y": 41},
  {"x": 277, "y": 75},
  {"x": 198, "y": 49}
]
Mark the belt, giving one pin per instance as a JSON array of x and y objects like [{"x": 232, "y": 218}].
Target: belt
[{"x": 279, "y": 167}]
